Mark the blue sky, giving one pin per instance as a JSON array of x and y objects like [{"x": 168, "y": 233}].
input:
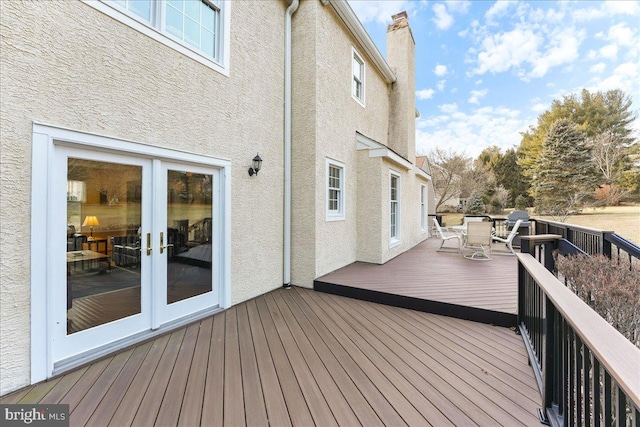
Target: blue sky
[{"x": 485, "y": 70}]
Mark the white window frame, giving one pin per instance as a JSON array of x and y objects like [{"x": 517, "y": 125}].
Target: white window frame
[
  {"x": 394, "y": 238},
  {"x": 155, "y": 30},
  {"x": 335, "y": 214},
  {"x": 355, "y": 56},
  {"x": 423, "y": 208}
]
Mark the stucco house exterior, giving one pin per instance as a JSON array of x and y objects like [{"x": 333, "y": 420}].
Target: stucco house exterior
[{"x": 127, "y": 133}]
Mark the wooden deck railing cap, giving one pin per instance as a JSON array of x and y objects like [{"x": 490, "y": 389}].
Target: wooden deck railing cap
[
  {"x": 573, "y": 226},
  {"x": 615, "y": 352}
]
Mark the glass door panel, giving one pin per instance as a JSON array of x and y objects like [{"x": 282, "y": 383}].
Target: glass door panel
[
  {"x": 104, "y": 208},
  {"x": 189, "y": 235}
]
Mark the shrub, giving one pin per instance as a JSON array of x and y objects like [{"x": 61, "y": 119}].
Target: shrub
[{"x": 610, "y": 288}]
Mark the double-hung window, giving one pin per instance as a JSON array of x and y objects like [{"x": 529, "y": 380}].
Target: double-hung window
[
  {"x": 198, "y": 28},
  {"x": 394, "y": 205},
  {"x": 335, "y": 190},
  {"x": 357, "y": 76},
  {"x": 423, "y": 208}
]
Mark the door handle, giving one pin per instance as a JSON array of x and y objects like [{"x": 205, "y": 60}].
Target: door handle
[
  {"x": 148, "y": 243},
  {"x": 162, "y": 245}
]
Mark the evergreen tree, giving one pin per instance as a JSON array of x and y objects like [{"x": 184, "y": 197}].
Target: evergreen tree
[
  {"x": 475, "y": 205},
  {"x": 509, "y": 174},
  {"x": 564, "y": 177}
]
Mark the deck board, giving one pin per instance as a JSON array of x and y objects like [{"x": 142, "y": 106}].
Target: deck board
[
  {"x": 439, "y": 282},
  {"x": 299, "y": 357}
]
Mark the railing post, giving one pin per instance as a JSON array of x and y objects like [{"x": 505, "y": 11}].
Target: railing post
[
  {"x": 606, "y": 244},
  {"x": 548, "y": 359}
]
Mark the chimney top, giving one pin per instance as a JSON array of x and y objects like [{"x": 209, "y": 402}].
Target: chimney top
[{"x": 400, "y": 16}]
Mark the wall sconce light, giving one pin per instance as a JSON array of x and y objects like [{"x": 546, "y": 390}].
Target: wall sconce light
[
  {"x": 90, "y": 221},
  {"x": 256, "y": 165}
]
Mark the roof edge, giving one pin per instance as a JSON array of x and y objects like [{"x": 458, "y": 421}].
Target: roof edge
[{"x": 348, "y": 16}]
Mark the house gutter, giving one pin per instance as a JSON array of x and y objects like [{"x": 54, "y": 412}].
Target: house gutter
[{"x": 293, "y": 6}]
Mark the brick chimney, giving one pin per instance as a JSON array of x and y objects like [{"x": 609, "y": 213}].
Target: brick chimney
[{"x": 402, "y": 114}]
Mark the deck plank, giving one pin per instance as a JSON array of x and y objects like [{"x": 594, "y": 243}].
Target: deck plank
[
  {"x": 274, "y": 399},
  {"x": 296, "y": 404},
  {"x": 299, "y": 357},
  {"x": 191, "y": 410},
  {"x": 316, "y": 401},
  {"x": 109, "y": 403},
  {"x": 169, "y": 412},
  {"x": 148, "y": 411},
  {"x": 213, "y": 404},
  {"x": 234, "y": 410},
  {"x": 132, "y": 398},
  {"x": 343, "y": 413},
  {"x": 255, "y": 409}
]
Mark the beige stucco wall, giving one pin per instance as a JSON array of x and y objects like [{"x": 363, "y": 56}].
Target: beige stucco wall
[{"x": 65, "y": 63}]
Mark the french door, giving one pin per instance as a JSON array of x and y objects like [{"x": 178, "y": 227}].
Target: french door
[{"x": 142, "y": 247}]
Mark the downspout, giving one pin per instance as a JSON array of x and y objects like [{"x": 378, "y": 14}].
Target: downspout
[{"x": 293, "y": 6}]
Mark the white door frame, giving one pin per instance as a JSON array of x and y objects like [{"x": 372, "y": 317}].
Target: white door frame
[{"x": 45, "y": 140}]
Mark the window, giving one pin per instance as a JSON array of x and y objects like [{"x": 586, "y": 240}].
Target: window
[
  {"x": 335, "y": 190},
  {"x": 423, "y": 208},
  {"x": 358, "y": 77},
  {"x": 394, "y": 204},
  {"x": 197, "y": 28}
]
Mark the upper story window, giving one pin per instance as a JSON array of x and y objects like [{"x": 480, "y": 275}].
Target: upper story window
[
  {"x": 335, "y": 190},
  {"x": 197, "y": 28},
  {"x": 358, "y": 77}
]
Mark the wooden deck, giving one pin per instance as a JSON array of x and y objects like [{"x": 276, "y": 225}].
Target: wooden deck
[
  {"x": 437, "y": 282},
  {"x": 299, "y": 357}
]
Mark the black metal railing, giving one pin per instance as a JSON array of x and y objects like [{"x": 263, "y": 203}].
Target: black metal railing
[
  {"x": 592, "y": 241},
  {"x": 586, "y": 370}
]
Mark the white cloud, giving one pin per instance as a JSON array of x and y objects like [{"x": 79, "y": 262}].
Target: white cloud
[
  {"x": 502, "y": 51},
  {"x": 448, "y": 108},
  {"x": 478, "y": 82},
  {"x": 563, "y": 49},
  {"x": 622, "y": 35},
  {"x": 442, "y": 18},
  {"x": 539, "y": 107},
  {"x": 440, "y": 70},
  {"x": 609, "y": 51},
  {"x": 441, "y": 84},
  {"x": 498, "y": 10},
  {"x": 425, "y": 94},
  {"x": 458, "y": 6},
  {"x": 471, "y": 132},
  {"x": 476, "y": 95},
  {"x": 607, "y": 9},
  {"x": 598, "y": 68},
  {"x": 625, "y": 76}
]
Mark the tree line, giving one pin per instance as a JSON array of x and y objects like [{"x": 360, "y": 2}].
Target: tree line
[{"x": 581, "y": 152}]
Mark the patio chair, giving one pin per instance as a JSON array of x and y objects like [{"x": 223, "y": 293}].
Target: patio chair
[
  {"x": 445, "y": 234},
  {"x": 509, "y": 239},
  {"x": 478, "y": 241}
]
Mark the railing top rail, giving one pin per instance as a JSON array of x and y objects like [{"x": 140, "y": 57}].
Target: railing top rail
[
  {"x": 616, "y": 353},
  {"x": 623, "y": 243},
  {"x": 573, "y": 226}
]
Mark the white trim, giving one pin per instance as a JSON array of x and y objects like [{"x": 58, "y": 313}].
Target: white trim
[
  {"x": 353, "y": 24},
  {"x": 422, "y": 174},
  {"x": 222, "y": 65},
  {"x": 377, "y": 149},
  {"x": 341, "y": 214},
  {"x": 45, "y": 139},
  {"x": 355, "y": 56},
  {"x": 395, "y": 240}
]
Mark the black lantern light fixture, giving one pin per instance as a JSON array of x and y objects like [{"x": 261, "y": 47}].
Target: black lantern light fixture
[{"x": 256, "y": 165}]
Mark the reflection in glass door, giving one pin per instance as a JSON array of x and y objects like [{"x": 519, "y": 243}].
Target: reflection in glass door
[
  {"x": 104, "y": 204},
  {"x": 189, "y": 234}
]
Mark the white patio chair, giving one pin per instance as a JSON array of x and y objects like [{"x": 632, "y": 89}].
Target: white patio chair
[
  {"x": 509, "y": 240},
  {"x": 478, "y": 240},
  {"x": 445, "y": 234}
]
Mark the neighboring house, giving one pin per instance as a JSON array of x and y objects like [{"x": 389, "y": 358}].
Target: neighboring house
[{"x": 128, "y": 130}]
